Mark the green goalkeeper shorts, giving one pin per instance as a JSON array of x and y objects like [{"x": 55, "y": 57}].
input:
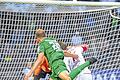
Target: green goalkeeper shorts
[{"x": 58, "y": 66}]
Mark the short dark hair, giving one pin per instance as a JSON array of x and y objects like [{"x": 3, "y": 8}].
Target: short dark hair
[
  {"x": 40, "y": 33},
  {"x": 62, "y": 45}
]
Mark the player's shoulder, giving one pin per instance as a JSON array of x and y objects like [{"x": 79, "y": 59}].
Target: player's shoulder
[
  {"x": 71, "y": 48},
  {"x": 49, "y": 39}
]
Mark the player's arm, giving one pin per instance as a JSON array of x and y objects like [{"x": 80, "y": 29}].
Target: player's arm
[
  {"x": 36, "y": 64},
  {"x": 66, "y": 52},
  {"x": 69, "y": 54}
]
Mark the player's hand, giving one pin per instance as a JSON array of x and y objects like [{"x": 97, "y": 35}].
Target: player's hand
[
  {"x": 75, "y": 56},
  {"x": 26, "y": 77}
]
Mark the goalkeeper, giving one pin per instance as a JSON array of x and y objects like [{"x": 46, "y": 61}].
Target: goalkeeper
[{"x": 55, "y": 55}]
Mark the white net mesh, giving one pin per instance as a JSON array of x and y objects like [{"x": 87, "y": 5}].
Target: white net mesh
[{"x": 97, "y": 28}]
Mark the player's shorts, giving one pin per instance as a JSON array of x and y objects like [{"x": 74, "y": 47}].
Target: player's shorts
[{"x": 58, "y": 66}]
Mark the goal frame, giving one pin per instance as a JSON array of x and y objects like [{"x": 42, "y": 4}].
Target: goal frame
[
  {"x": 107, "y": 5},
  {"x": 67, "y": 3}
]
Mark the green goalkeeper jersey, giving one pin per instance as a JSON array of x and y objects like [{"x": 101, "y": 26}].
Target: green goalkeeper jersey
[{"x": 51, "y": 50}]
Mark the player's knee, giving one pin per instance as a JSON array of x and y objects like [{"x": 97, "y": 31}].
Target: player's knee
[
  {"x": 64, "y": 75},
  {"x": 50, "y": 79},
  {"x": 68, "y": 78}
]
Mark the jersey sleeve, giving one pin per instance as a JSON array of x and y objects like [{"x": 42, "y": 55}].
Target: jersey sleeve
[{"x": 41, "y": 48}]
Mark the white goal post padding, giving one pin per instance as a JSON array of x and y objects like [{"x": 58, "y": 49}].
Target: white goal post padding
[{"x": 99, "y": 28}]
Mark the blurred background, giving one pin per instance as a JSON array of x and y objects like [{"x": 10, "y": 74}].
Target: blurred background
[{"x": 74, "y": 25}]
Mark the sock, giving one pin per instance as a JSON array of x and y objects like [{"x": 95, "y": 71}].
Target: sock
[{"x": 77, "y": 70}]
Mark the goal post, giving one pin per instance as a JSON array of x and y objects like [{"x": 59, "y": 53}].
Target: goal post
[{"x": 89, "y": 21}]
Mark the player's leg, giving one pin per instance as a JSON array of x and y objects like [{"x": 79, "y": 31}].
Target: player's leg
[
  {"x": 50, "y": 79},
  {"x": 42, "y": 74},
  {"x": 77, "y": 70},
  {"x": 59, "y": 71},
  {"x": 64, "y": 75}
]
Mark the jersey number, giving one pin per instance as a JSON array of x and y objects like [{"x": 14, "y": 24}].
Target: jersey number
[{"x": 55, "y": 46}]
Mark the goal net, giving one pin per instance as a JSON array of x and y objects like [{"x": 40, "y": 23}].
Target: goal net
[{"x": 97, "y": 26}]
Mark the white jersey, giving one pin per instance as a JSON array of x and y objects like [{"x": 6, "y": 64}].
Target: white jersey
[{"x": 71, "y": 64}]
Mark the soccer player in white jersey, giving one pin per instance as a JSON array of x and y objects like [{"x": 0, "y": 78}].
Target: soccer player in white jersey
[
  {"x": 71, "y": 63},
  {"x": 86, "y": 73}
]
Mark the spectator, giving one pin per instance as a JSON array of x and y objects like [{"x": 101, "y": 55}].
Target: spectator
[{"x": 107, "y": 0}]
